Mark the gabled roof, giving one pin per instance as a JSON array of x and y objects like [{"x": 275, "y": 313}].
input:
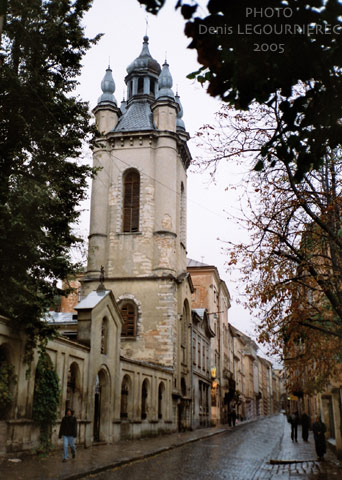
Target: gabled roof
[
  {"x": 91, "y": 300},
  {"x": 194, "y": 263}
]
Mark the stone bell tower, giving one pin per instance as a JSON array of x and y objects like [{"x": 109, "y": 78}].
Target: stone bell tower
[{"x": 138, "y": 215}]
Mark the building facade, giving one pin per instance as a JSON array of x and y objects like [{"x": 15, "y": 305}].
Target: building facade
[
  {"x": 145, "y": 347},
  {"x": 211, "y": 293}
]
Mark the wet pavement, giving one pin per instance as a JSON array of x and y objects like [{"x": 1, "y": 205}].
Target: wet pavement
[{"x": 221, "y": 453}]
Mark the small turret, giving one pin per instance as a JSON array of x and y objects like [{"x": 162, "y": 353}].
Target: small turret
[
  {"x": 106, "y": 111},
  {"x": 123, "y": 106},
  {"x": 165, "y": 83},
  {"x": 108, "y": 89},
  {"x": 179, "y": 122},
  {"x": 142, "y": 76},
  {"x": 165, "y": 108}
]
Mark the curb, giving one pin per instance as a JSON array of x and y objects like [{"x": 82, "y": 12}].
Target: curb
[
  {"x": 137, "y": 458},
  {"x": 125, "y": 461}
]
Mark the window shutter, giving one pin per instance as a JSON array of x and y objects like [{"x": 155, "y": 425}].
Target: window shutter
[{"x": 131, "y": 204}]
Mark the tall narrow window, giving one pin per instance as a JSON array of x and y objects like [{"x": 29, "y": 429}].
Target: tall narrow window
[
  {"x": 182, "y": 216},
  {"x": 131, "y": 201},
  {"x": 144, "y": 395},
  {"x": 104, "y": 336},
  {"x": 124, "y": 397},
  {"x": 140, "y": 85},
  {"x": 152, "y": 83},
  {"x": 129, "y": 316},
  {"x": 161, "y": 389}
]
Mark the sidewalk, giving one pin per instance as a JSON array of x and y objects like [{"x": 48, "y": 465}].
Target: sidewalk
[
  {"x": 299, "y": 460},
  {"x": 99, "y": 458}
]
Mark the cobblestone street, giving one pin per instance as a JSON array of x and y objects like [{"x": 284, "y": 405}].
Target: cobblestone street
[
  {"x": 257, "y": 450},
  {"x": 241, "y": 454}
]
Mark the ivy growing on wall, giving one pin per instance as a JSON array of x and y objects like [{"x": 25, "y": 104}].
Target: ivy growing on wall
[
  {"x": 7, "y": 379},
  {"x": 46, "y": 399}
]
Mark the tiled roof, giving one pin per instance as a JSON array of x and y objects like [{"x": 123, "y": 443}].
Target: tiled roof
[{"x": 137, "y": 117}]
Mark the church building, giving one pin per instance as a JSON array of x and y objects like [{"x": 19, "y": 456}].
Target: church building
[{"x": 124, "y": 359}]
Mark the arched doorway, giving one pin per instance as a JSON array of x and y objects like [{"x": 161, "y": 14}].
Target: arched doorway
[{"x": 101, "y": 407}]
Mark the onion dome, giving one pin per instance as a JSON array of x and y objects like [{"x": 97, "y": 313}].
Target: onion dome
[
  {"x": 123, "y": 106},
  {"x": 179, "y": 121},
  {"x": 165, "y": 83},
  {"x": 144, "y": 61},
  {"x": 108, "y": 88}
]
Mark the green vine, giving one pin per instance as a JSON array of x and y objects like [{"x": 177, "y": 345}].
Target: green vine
[
  {"x": 45, "y": 400},
  {"x": 7, "y": 378}
]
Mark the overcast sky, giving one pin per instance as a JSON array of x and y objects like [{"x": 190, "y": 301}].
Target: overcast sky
[{"x": 123, "y": 24}]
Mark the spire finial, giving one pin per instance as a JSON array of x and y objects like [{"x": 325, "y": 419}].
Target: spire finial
[{"x": 146, "y": 30}]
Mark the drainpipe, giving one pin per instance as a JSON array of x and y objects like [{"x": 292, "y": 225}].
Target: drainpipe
[
  {"x": 191, "y": 377},
  {"x": 219, "y": 351}
]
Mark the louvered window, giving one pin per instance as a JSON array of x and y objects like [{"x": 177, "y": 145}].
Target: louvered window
[
  {"x": 131, "y": 202},
  {"x": 128, "y": 313}
]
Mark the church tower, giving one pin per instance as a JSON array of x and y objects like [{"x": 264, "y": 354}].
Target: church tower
[{"x": 138, "y": 216}]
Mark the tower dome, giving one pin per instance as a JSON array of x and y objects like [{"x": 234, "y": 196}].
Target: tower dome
[
  {"x": 108, "y": 88},
  {"x": 144, "y": 61},
  {"x": 142, "y": 78}
]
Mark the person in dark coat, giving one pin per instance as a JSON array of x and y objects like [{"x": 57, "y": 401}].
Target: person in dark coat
[
  {"x": 305, "y": 426},
  {"x": 319, "y": 429},
  {"x": 233, "y": 418},
  {"x": 294, "y": 420},
  {"x": 68, "y": 430}
]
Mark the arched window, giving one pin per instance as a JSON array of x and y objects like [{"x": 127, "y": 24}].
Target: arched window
[
  {"x": 129, "y": 315},
  {"x": 131, "y": 201},
  {"x": 144, "y": 399},
  {"x": 104, "y": 336},
  {"x": 73, "y": 396}
]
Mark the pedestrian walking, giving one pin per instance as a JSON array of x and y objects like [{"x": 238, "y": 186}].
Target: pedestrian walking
[
  {"x": 68, "y": 430},
  {"x": 294, "y": 420},
  {"x": 305, "y": 421},
  {"x": 319, "y": 429},
  {"x": 233, "y": 417}
]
